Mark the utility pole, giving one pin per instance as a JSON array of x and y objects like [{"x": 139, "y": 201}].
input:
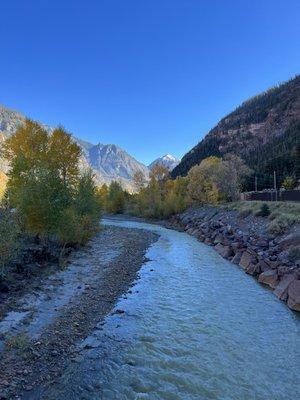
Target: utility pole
[
  {"x": 275, "y": 188},
  {"x": 255, "y": 183}
]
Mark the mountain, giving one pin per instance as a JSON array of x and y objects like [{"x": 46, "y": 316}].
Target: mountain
[
  {"x": 264, "y": 131},
  {"x": 108, "y": 162},
  {"x": 167, "y": 161}
]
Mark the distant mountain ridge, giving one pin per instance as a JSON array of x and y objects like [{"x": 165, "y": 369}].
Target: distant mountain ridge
[
  {"x": 108, "y": 162},
  {"x": 272, "y": 116},
  {"x": 167, "y": 161}
]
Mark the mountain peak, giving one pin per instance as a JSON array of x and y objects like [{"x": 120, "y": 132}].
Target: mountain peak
[{"x": 168, "y": 160}]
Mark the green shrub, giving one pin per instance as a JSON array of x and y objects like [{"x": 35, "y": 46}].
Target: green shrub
[
  {"x": 264, "y": 211},
  {"x": 280, "y": 225}
]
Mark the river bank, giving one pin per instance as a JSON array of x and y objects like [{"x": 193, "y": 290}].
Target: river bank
[
  {"x": 40, "y": 331},
  {"x": 243, "y": 239}
]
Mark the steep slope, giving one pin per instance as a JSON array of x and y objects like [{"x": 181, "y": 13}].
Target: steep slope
[
  {"x": 9, "y": 121},
  {"x": 113, "y": 163},
  {"x": 167, "y": 161},
  {"x": 270, "y": 116},
  {"x": 108, "y": 162}
]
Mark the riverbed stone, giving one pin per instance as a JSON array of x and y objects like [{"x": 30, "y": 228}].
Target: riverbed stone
[
  {"x": 294, "y": 295},
  {"x": 269, "y": 278},
  {"x": 281, "y": 290}
]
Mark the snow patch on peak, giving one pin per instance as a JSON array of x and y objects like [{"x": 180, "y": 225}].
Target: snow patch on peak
[{"x": 168, "y": 160}]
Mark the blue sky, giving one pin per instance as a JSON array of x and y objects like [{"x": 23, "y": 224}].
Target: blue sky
[{"x": 152, "y": 76}]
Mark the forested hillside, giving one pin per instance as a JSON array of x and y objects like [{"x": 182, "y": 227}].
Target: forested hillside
[{"x": 264, "y": 131}]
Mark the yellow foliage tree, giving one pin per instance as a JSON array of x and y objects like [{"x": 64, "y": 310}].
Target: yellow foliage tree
[
  {"x": 3, "y": 182},
  {"x": 202, "y": 186},
  {"x": 45, "y": 184},
  {"x": 63, "y": 155}
]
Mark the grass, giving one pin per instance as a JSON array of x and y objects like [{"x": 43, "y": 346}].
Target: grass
[
  {"x": 280, "y": 208},
  {"x": 282, "y": 214}
]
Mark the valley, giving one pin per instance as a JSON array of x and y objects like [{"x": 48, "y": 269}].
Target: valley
[{"x": 113, "y": 273}]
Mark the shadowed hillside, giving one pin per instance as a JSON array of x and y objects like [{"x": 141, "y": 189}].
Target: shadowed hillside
[{"x": 263, "y": 130}]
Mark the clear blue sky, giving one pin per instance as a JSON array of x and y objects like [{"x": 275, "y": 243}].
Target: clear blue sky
[{"x": 152, "y": 76}]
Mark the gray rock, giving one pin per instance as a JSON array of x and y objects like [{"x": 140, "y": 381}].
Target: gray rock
[
  {"x": 224, "y": 251},
  {"x": 281, "y": 290},
  {"x": 269, "y": 278},
  {"x": 246, "y": 259},
  {"x": 237, "y": 258},
  {"x": 253, "y": 269},
  {"x": 294, "y": 295}
]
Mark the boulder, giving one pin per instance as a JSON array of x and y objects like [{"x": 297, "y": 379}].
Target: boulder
[
  {"x": 237, "y": 258},
  {"x": 263, "y": 243},
  {"x": 218, "y": 239},
  {"x": 274, "y": 264},
  {"x": 236, "y": 245},
  {"x": 215, "y": 224},
  {"x": 269, "y": 278},
  {"x": 281, "y": 290},
  {"x": 201, "y": 238},
  {"x": 264, "y": 266},
  {"x": 224, "y": 251},
  {"x": 246, "y": 259},
  {"x": 294, "y": 295},
  {"x": 283, "y": 270},
  {"x": 253, "y": 269}
]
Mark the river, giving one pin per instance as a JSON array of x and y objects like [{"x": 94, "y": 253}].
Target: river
[{"x": 194, "y": 326}]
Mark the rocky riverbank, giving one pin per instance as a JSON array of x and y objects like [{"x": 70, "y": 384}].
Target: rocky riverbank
[
  {"x": 245, "y": 241},
  {"x": 43, "y": 329}
]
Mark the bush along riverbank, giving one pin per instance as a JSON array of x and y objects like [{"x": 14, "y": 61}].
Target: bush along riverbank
[{"x": 244, "y": 239}]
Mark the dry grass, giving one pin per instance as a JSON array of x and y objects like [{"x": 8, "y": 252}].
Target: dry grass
[
  {"x": 283, "y": 209},
  {"x": 282, "y": 214}
]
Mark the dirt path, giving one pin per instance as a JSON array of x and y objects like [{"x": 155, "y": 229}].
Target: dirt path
[{"x": 43, "y": 331}]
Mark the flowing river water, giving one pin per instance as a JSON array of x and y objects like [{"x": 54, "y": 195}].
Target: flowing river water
[{"x": 194, "y": 326}]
